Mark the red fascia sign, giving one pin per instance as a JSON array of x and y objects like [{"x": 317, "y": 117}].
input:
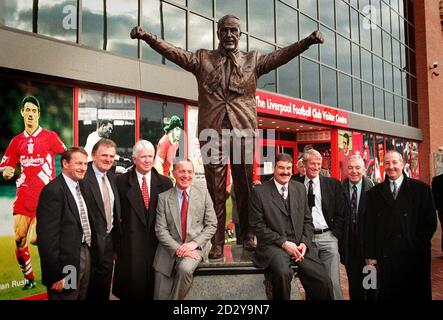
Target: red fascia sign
[{"x": 299, "y": 109}]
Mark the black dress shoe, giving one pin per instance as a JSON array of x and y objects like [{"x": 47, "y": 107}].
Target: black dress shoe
[
  {"x": 215, "y": 253},
  {"x": 249, "y": 244}
]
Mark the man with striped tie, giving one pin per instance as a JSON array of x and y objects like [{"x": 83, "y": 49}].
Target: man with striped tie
[{"x": 64, "y": 231}]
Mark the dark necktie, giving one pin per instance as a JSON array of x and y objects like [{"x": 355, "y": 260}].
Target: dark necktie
[
  {"x": 285, "y": 197},
  {"x": 394, "y": 190},
  {"x": 184, "y": 215},
  {"x": 311, "y": 196},
  {"x": 83, "y": 217},
  {"x": 354, "y": 208},
  {"x": 145, "y": 192}
]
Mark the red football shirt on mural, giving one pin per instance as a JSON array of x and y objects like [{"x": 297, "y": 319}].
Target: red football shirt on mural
[{"x": 36, "y": 154}]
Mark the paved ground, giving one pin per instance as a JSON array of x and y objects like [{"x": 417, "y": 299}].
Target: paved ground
[{"x": 437, "y": 270}]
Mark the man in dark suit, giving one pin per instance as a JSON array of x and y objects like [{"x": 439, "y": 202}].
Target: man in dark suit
[
  {"x": 326, "y": 199},
  {"x": 64, "y": 231},
  {"x": 356, "y": 185},
  {"x": 399, "y": 223},
  {"x": 279, "y": 214},
  {"x": 437, "y": 191},
  {"x": 138, "y": 190},
  {"x": 101, "y": 196},
  {"x": 185, "y": 224}
]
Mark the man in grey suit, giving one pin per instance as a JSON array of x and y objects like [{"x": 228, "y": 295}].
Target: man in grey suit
[
  {"x": 185, "y": 223},
  {"x": 280, "y": 216}
]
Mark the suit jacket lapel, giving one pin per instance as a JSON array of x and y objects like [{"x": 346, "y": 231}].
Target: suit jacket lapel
[
  {"x": 293, "y": 205},
  {"x": 135, "y": 197},
  {"x": 71, "y": 201},
  {"x": 386, "y": 193},
  {"x": 174, "y": 209},
  {"x": 93, "y": 183},
  {"x": 324, "y": 198},
  {"x": 111, "y": 179}
]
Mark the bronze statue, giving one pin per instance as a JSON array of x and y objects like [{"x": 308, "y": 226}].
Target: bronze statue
[{"x": 227, "y": 80}]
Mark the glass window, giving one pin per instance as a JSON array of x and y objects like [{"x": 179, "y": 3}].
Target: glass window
[
  {"x": 366, "y": 65},
  {"x": 152, "y": 22},
  {"x": 329, "y": 87},
  {"x": 327, "y": 9},
  {"x": 365, "y": 32},
  {"x": 355, "y": 28},
  {"x": 174, "y": 25},
  {"x": 398, "y": 109},
  {"x": 412, "y": 63},
  {"x": 394, "y": 4},
  {"x": 395, "y": 25},
  {"x": 389, "y": 106},
  {"x": 404, "y": 84},
  {"x": 327, "y": 48},
  {"x": 58, "y": 19},
  {"x": 368, "y": 101},
  {"x": 378, "y": 71},
  {"x": 287, "y": 24},
  {"x": 385, "y": 17},
  {"x": 355, "y": 60},
  {"x": 200, "y": 33},
  {"x": 387, "y": 42},
  {"x": 113, "y": 110},
  {"x": 17, "y": 14},
  {"x": 307, "y": 26},
  {"x": 356, "y": 84},
  {"x": 379, "y": 103},
  {"x": 401, "y": 8},
  {"x": 405, "y": 113},
  {"x": 93, "y": 24},
  {"x": 397, "y": 80},
  {"x": 388, "y": 75},
  {"x": 201, "y": 6},
  {"x": 309, "y": 7},
  {"x": 235, "y": 7},
  {"x": 180, "y": 2},
  {"x": 121, "y": 18},
  {"x": 376, "y": 41},
  {"x": 291, "y": 2},
  {"x": 261, "y": 19},
  {"x": 413, "y": 88},
  {"x": 289, "y": 78},
  {"x": 402, "y": 30},
  {"x": 310, "y": 80},
  {"x": 266, "y": 81},
  {"x": 363, "y": 4},
  {"x": 403, "y": 62},
  {"x": 411, "y": 36},
  {"x": 343, "y": 19},
  {"x": 344, "y": 92},
  {"x": 396, "y": 52},
  {"x": 344, "y": 54},
  {"x": 155, "y": 115}
]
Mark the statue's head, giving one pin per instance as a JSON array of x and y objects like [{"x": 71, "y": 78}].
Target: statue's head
[{"x": 228, "y": 32}]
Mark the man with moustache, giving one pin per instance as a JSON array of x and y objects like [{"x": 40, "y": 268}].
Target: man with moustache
[
  {"x": 356, "y": 185},
  {"x": 101, "y": 196},
  {"x": 399, "y": 223},
  {"x": 35, "y": 150},
  {"x": 185, "y": 224},
  {"x": 281, "y": 218},
  {"x": 138, "y": 190},
  {"x": 326, "y": 200},
  {"x": 64, "y": 231},
  {"x": 227, "y": 80}
]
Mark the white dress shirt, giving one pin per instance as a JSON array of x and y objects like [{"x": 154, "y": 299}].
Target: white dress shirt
[{"x": 317, "y": 212}]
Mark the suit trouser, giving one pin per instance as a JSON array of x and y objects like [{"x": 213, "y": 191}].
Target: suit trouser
[
  {"x": 100, "y": 281},
  {"x": 82, "y": 281},
  {"x": 327, "y": 245},
  {"x": 354, "y": 269},
  {"x": 177, "y": 286},
  {"x": 240, "y": 153},
  {"x": 311, "y": 273}
]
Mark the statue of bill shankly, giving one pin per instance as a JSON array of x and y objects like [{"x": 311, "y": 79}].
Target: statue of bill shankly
[{"x": 227, "y": 81}]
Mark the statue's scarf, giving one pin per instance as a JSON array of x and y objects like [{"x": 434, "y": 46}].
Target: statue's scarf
[{"x": 214, "y": 79}]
